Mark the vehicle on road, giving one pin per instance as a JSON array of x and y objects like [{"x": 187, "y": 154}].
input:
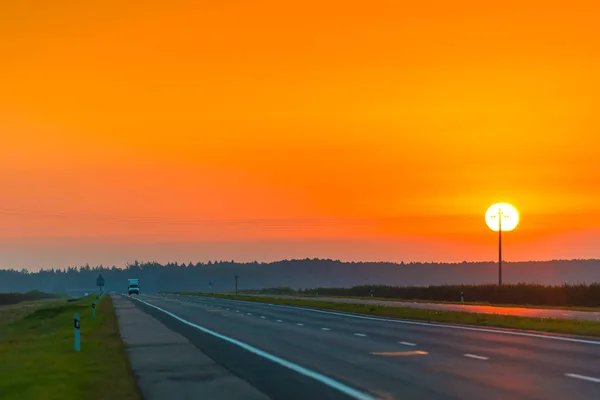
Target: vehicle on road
[{"x": 134, "y": 287}]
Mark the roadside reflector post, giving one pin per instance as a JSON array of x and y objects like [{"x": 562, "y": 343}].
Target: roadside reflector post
[
  {"x": 77, "y": 324},
  {"x": 94, "y": 310},
  {"x": 462, "y": 297}
]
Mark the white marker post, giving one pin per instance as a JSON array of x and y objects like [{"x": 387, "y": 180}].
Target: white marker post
[{"x": 77, "y": 324}]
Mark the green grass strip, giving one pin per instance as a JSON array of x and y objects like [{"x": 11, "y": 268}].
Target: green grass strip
[{"x": 39, "y": 361}]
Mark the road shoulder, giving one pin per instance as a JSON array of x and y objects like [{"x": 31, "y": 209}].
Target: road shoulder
[{"x": 166, "y": 365}]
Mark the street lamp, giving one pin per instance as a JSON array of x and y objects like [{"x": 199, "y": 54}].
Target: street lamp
[{"x": 501, "y": 217}]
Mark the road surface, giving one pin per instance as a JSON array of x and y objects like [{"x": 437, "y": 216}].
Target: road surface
[
  {"x": 290, "y": 353},
  {"x": 517, "y": 311}
]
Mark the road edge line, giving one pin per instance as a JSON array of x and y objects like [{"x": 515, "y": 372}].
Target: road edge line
[{"x": 332, "y": 383}]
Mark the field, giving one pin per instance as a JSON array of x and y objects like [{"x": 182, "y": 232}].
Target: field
[
  {"x": 564, "y": 326},
  {"x": 581, "y": 296},
  {"x": 38, "y": 359},
  {"x": 15, "y": 298}
]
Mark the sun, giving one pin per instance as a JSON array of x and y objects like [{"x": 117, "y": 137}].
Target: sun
[{"x": 510, "y": 217}]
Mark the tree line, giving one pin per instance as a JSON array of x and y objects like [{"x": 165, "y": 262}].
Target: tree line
[{"x": 219, "y": 276}]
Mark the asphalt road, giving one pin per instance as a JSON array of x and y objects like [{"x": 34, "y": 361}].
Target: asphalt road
[
  {"x": 502, "y": 310},
  {"x": 290, "y": 353}
]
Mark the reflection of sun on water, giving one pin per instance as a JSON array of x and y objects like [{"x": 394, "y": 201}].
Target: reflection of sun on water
[{"x": 509, "y": 214}]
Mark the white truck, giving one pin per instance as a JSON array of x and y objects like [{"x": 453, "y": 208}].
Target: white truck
[{"x": 134, "y": 287}]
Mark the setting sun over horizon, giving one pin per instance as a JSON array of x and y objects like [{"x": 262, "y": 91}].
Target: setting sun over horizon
[{"x": 268, "y": 130}]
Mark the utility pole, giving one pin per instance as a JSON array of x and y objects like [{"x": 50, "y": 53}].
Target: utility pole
[{"x": 500, "y": 247}]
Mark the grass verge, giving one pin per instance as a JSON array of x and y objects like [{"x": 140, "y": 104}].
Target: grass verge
[
  {"x": 466, "y": 303},
  {"x": 565, "y": 326},
  {"x": 39, "y": 362}
]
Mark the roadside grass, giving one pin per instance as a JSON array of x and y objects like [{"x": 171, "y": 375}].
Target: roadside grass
[
  {"x": 468, "y": 303},
  {"x": 564, "y": 326},
  {"x": 39, "y": 361}
]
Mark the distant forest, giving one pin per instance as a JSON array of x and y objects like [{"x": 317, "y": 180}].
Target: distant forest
[{"x": 297, "y": 274}]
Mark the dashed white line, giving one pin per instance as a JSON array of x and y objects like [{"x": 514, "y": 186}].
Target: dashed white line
[
  {"x": 237, "y": 310},
  {"x": 360, "y": 334},
  {"x": 279, "y": 320},
  {"x": 299, "y": 324},
  {"x": 261, "y": 317},
  {"x": 476, "y": 357},
  {"x": 325, "y": 329},
  {"x": 227, "y": 309},
  {"x": 407, "y": 343},
  {"x": 435, "y": 325},
  {"x": 583, "y": 377},
  {"x": 248, "y": 313}
]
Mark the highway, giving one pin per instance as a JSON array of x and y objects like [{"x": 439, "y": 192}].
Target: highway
[
  {"x": 292, "y": 353},
  {"x": 481, "y": 309}
]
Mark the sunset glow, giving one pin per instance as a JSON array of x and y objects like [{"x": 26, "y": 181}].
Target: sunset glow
[{"x": 191, "y": 130}]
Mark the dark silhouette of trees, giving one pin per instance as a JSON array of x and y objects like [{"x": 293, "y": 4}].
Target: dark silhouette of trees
[{"x": 297, "y": 274}]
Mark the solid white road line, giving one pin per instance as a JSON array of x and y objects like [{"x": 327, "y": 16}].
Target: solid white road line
[
  {"x": 332, "y": 383},
  {"x": 325, "y": 329},
  {"x": 360, "y": 334},
  {"x": 583, "y": 377},
  {"x": 476, "y": 357},
  {"x": 407, "y": 343}
]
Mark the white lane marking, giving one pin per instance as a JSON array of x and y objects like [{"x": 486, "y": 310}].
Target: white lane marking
[
  {"x": 429, "y": 324},
  {"x": 261, "y": 317},
  {"x": 248, "y": 313},
  {"x": 332, "y": 383},
  {"x": 407, "y": 343},
  {"x": 476, "y": 357},
  {"x": 299, "y": 324},
  {"x": 237, "y": 310},
  {"x": 437, "y": 325},
  {"x": 227, "y": 309},
  {"x": 360, "y": 334},
  {"x": 325, "y": 329},
  {"x": 583, "y": 377},
  {"x": 279, "y": 320}
]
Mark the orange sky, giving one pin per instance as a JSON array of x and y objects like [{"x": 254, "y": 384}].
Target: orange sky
[{"x": 291, "y": 126}]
